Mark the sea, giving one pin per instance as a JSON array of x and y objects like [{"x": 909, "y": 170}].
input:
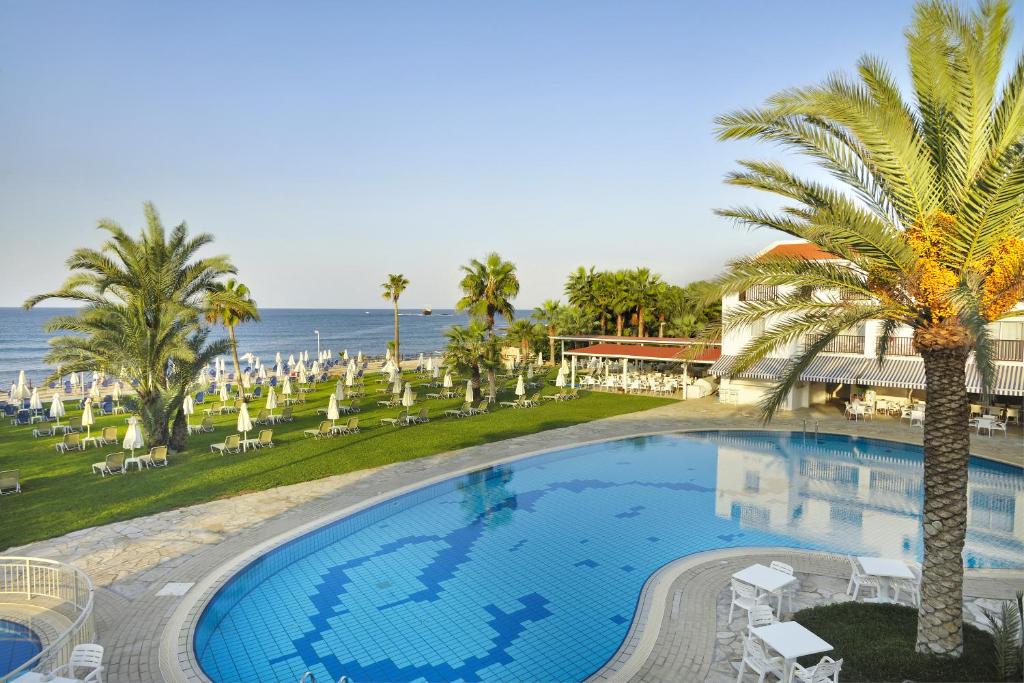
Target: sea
[{"x": 23, "y": 341}]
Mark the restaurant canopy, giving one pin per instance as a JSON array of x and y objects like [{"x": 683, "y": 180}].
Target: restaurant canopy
[{"x": 635, "y": 351}]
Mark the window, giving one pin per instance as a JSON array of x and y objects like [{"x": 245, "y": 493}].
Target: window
[{"x": 752, "y": 481}]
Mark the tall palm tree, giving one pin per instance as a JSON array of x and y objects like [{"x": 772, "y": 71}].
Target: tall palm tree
[
  {"x": 549, "y": 314},
  {"x": 393, "y": 288},
  {"x": 467, "y": 348},
  {"x": 488, "y": 288},
  {"x": 526, "y": 333},
  {"x": 622, "y": 300},
  {"x": 141, "y": 299},
  {"x": 230, "y": 303},
  {"x": 604, "y": 294},
  {"x": 579, "y": 288},
  {"x": 180, "y": 381},
  {"x": 929, "y": 224},
  {"x": 643, "y": 288}
]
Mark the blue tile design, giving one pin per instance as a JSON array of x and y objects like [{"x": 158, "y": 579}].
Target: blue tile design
[{"x": 494, "y": 577}]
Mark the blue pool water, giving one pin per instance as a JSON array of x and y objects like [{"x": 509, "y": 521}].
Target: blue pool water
[
  {"x": 18, "y": 644},
  {"x": 530, "y": 571}
]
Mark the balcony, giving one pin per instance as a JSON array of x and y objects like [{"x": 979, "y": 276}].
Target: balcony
[
  {"x": 843, "y": 343},
  {"x": 1004, "y": 349},
  {"x": 760, "y": 293}
]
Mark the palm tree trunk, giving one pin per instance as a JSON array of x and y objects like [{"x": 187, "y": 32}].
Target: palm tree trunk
[
  {"x": 154, "y": 418},
  {"x": 234, "y": 357},
  {"x": 604, "y": 322},
  {"x": 398, "y": 358},
  {"x": 179, "y": 432},
  {"x": 946, "y": 451},
  {"x": 640, "y": 322},
  {"x": 551, "y": 346},
  {"x": 618, "y": 324},
  {"x": 661, "y": 328}
]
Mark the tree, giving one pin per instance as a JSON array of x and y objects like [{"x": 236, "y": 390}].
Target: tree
[
  {"x": 928, "y": 223},
  {"x": 466, "y": 348},
  {"x": 230, "y": 303},
  {"x": 622, "y": 301},
  {"x": 579, "y": 288},
  {"x": 604, "y": 292},
  {"x": 549, "y": 315},
  {"x": 575, "y": 320},
  {"x": 181, "y": 378},
  {"x": 488, "y": 288},
  {"x": 643, "y": 289},
  {"x": 141, "y": 299},
  {"x": 527, "y": 334},
  {"x": 393, "y": 288}
]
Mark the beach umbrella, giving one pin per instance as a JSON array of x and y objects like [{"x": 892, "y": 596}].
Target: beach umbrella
[
  {"x": 540, "y": 358},
  {"x": 407, "y": 398},
  {"x": 315, "y": 369},
  {"x": 396, "y": 387},
  {"x": 565, "y": 365},
  {"x": 435, "y": 372},
  {"x": 359, "y": 357},
  {"x": 279, "y": 371},
  {"x": 34, "y": 402},
  {"x": 87, "y": 418},
  {"x": 430, "y": 363},
  {"x": 13, "y": 393},
  {"x": 469, "y": 391},
  {"x": 56, "y": 407},
  {"x": 74, "y": 379},
  {"x": 420, "y": 361},
  {"x": 94, "y": 391},
  {"x": 291, "y": 361},
  {"x": 303, "y": 378},
  {"x": 529, "y": 372},
  {"x": 132, "y": 435},
  {"x": 263, "y": 372},
  {"x": 339, "y": 390},
  {"x": 560, "y": 378},
  {"x": 350, "y": 376},
  {"x": 244, "y": 424},
  {"x": 271, "y": 400},
  {"x": 387, "y": 354},
  {"x": 277, "y": 359},
  {"x": 520, "y": 387},
  {"x": 344, "y": 354},
  {"x": 332, "y": 408},
  {"x": 188, "y": 407},
  {"x": 22, "y": 387},
  {"x": 246, "y": 380},
  {"x": 224, "y": 393},
  {"x": 286, "y": 389},
  {"x": 116, "y": 395},
  {"x": 447, "y": 381}
]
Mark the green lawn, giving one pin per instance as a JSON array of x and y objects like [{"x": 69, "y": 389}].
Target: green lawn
[{"x": 60, "y": 494}]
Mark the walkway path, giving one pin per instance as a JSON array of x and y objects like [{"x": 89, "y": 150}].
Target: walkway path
[{"x": 132, "y": 562}]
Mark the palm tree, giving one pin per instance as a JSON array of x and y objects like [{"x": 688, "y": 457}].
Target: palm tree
[
  {"x": 488, "y": 288},
  {"x": 526, "y": 333},
  {"x": 230, "y": 303},
  {"x": 928, "y": 222},
  {"x": 643, "y": 288},
  {"x": 393, "y": 288},
  {"x": 622, "y": 301},
  {"x": 579, "y": 288},
  {"x": 549, "y": 315},
  {"x": 575, "y": 320},
  {"x": 142, "y": 297},
  {"x": 180, "y": 381},
  {"x": 466, "y": 348},
  {"x": 604, "y": 293}
]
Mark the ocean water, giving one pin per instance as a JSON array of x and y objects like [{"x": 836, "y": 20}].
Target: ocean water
[{"x": 23, "y": 342}]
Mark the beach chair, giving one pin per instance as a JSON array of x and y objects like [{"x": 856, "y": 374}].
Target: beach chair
[
  {"x": 263, "y": 417},
  {"x": 114, "y": 464},
  {"x": 232, "y": 444},
  {"x": 572, "y": 395},
  {"x": 86, "y": 657},
  {"x": 108, "y": 435},
  {"x": 533, "y": 400},
  {"x": 10, "y": 482},
  {"x": 389, "y": 403},
  {"x": 464, "y": 411},
  {"x": 157, "y": 457},
  {"x": 286, "y": 415},
  {"x": 422, "y": 417},
  {"x": 299, "y": 397},
  {"x": 321, "y": 432},
  {"x": 553, "y": 397},
  {"x": 207, "y": 425},
  {"x": 351, "y": 427},
  {"x": 72, "y": 441},
  {"x": 518, "y": 403},
  {"x": 266, "y": 439},
  {"x": 482, "y": 408},
  {"x": 400, "y": 421}
]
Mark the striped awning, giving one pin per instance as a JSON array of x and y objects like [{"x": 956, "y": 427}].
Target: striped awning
[
  {"x": 766, "y": 368},
  {"x": 1008, "y": 380},
  {"x": 896, "y": 373},
  {"x": 834, "y": 370}
]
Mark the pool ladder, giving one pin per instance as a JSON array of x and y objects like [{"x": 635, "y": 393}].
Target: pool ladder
[
  {"x": 308, "y": 677},
  {"x": 815, "y": 431}
]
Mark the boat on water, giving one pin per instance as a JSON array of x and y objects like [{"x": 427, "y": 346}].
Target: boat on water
[{"x": 427, "y": 311}]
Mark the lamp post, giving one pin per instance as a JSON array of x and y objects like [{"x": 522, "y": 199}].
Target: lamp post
[{"x": 317, "y": 333}]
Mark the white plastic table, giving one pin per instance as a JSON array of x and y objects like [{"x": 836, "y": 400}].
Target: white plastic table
[
  {"x": 885, "y": 569},
  {"x": 791, "y": 640},
  {"x": 765, "y": 578}
]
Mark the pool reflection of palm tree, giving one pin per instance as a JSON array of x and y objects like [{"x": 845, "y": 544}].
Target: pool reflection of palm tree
[{"x": 486, "y": 496}]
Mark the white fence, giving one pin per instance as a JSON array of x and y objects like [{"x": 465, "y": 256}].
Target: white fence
[{"x": 57, "y": 587}]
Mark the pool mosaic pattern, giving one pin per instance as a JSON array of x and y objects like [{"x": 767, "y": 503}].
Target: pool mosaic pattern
[
  {"x": 18, "y": 644},
  {"x": 531, "y": 571}
]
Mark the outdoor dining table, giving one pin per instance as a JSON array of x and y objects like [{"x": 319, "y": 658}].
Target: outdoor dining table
[
  {"x": 885, "y": 569},
  {"x": 791, "y": 640},
  {"x": 765, "y": 579}
]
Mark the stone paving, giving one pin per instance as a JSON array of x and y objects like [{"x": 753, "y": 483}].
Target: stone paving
[{"x": 130, "y": 562}]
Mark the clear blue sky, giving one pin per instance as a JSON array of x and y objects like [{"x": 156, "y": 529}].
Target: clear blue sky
[{"x": 327, "y": 144}]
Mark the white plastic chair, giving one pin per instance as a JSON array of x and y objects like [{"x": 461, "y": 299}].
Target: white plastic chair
[
  {"x": 991, "y": 425},
  {"x": 87, "y": 656},
  {"x": 755, "y": 657},
  {"x": 859, "y": 579},
  {"x": 825, "y": 671},
  {"x": 1013, "y": 415},
  {"x": 786, "y": 592},
  {"x": 762, "y": 615},
  {"x": 918, "y": 417},
  {"x": 744, "y": 596},
  {"x": 911, "y": 587}
]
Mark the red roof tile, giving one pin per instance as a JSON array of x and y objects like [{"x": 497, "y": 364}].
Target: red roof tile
[{"x": 649, "y": 352}]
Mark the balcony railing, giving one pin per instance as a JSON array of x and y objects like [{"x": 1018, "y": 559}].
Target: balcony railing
[
  {"x": 760, "y": 293},
  {"x": 1003, "y": 349},
  {"x": 843, "y": 343}
]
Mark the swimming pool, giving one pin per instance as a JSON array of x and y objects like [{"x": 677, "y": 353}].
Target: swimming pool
[
  {"x": 531, "y": 571},
  {"x": 18, "y": 644}
]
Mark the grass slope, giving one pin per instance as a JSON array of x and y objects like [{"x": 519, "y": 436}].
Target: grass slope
[{"x": 61, "y": 495}]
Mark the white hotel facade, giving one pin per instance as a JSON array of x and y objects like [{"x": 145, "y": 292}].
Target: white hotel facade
[{"x": 850, "y": 360}]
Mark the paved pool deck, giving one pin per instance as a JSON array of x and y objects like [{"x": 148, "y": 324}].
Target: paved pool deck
[{"x": 146, "y": 569}]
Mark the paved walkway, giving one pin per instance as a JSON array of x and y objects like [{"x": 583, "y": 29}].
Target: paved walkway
[{"x": 131, "y": 562}]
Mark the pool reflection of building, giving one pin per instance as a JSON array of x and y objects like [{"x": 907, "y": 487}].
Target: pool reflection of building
[{"x": 872, "y": 499}]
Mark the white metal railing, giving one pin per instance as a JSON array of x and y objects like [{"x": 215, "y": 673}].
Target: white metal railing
[{"x": 27, "y": 579}]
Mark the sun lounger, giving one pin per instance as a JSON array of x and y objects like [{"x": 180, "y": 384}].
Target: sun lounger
[
  {"x": 400, "y": 421},
  {"x": 518, "y": 403},
  {"x": 232, "y": 444},
  {"x": 322, "y": 431},
  {"x": 351, "y": 427},
  {"x": 72, "y": 441},
  {"x": 107, "y": 436},
  {"x": 266, "y": 439},
  {"x": 533, "y": 400},
  {"x": 423, "y": 417},
  {"x": 10, "y": 482},
  {"x": 286, "y": 415},
  {"x": 464, "y": 411},
  {"x": 157, "y": 457},
  {"x": 114, "y": 464}
]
